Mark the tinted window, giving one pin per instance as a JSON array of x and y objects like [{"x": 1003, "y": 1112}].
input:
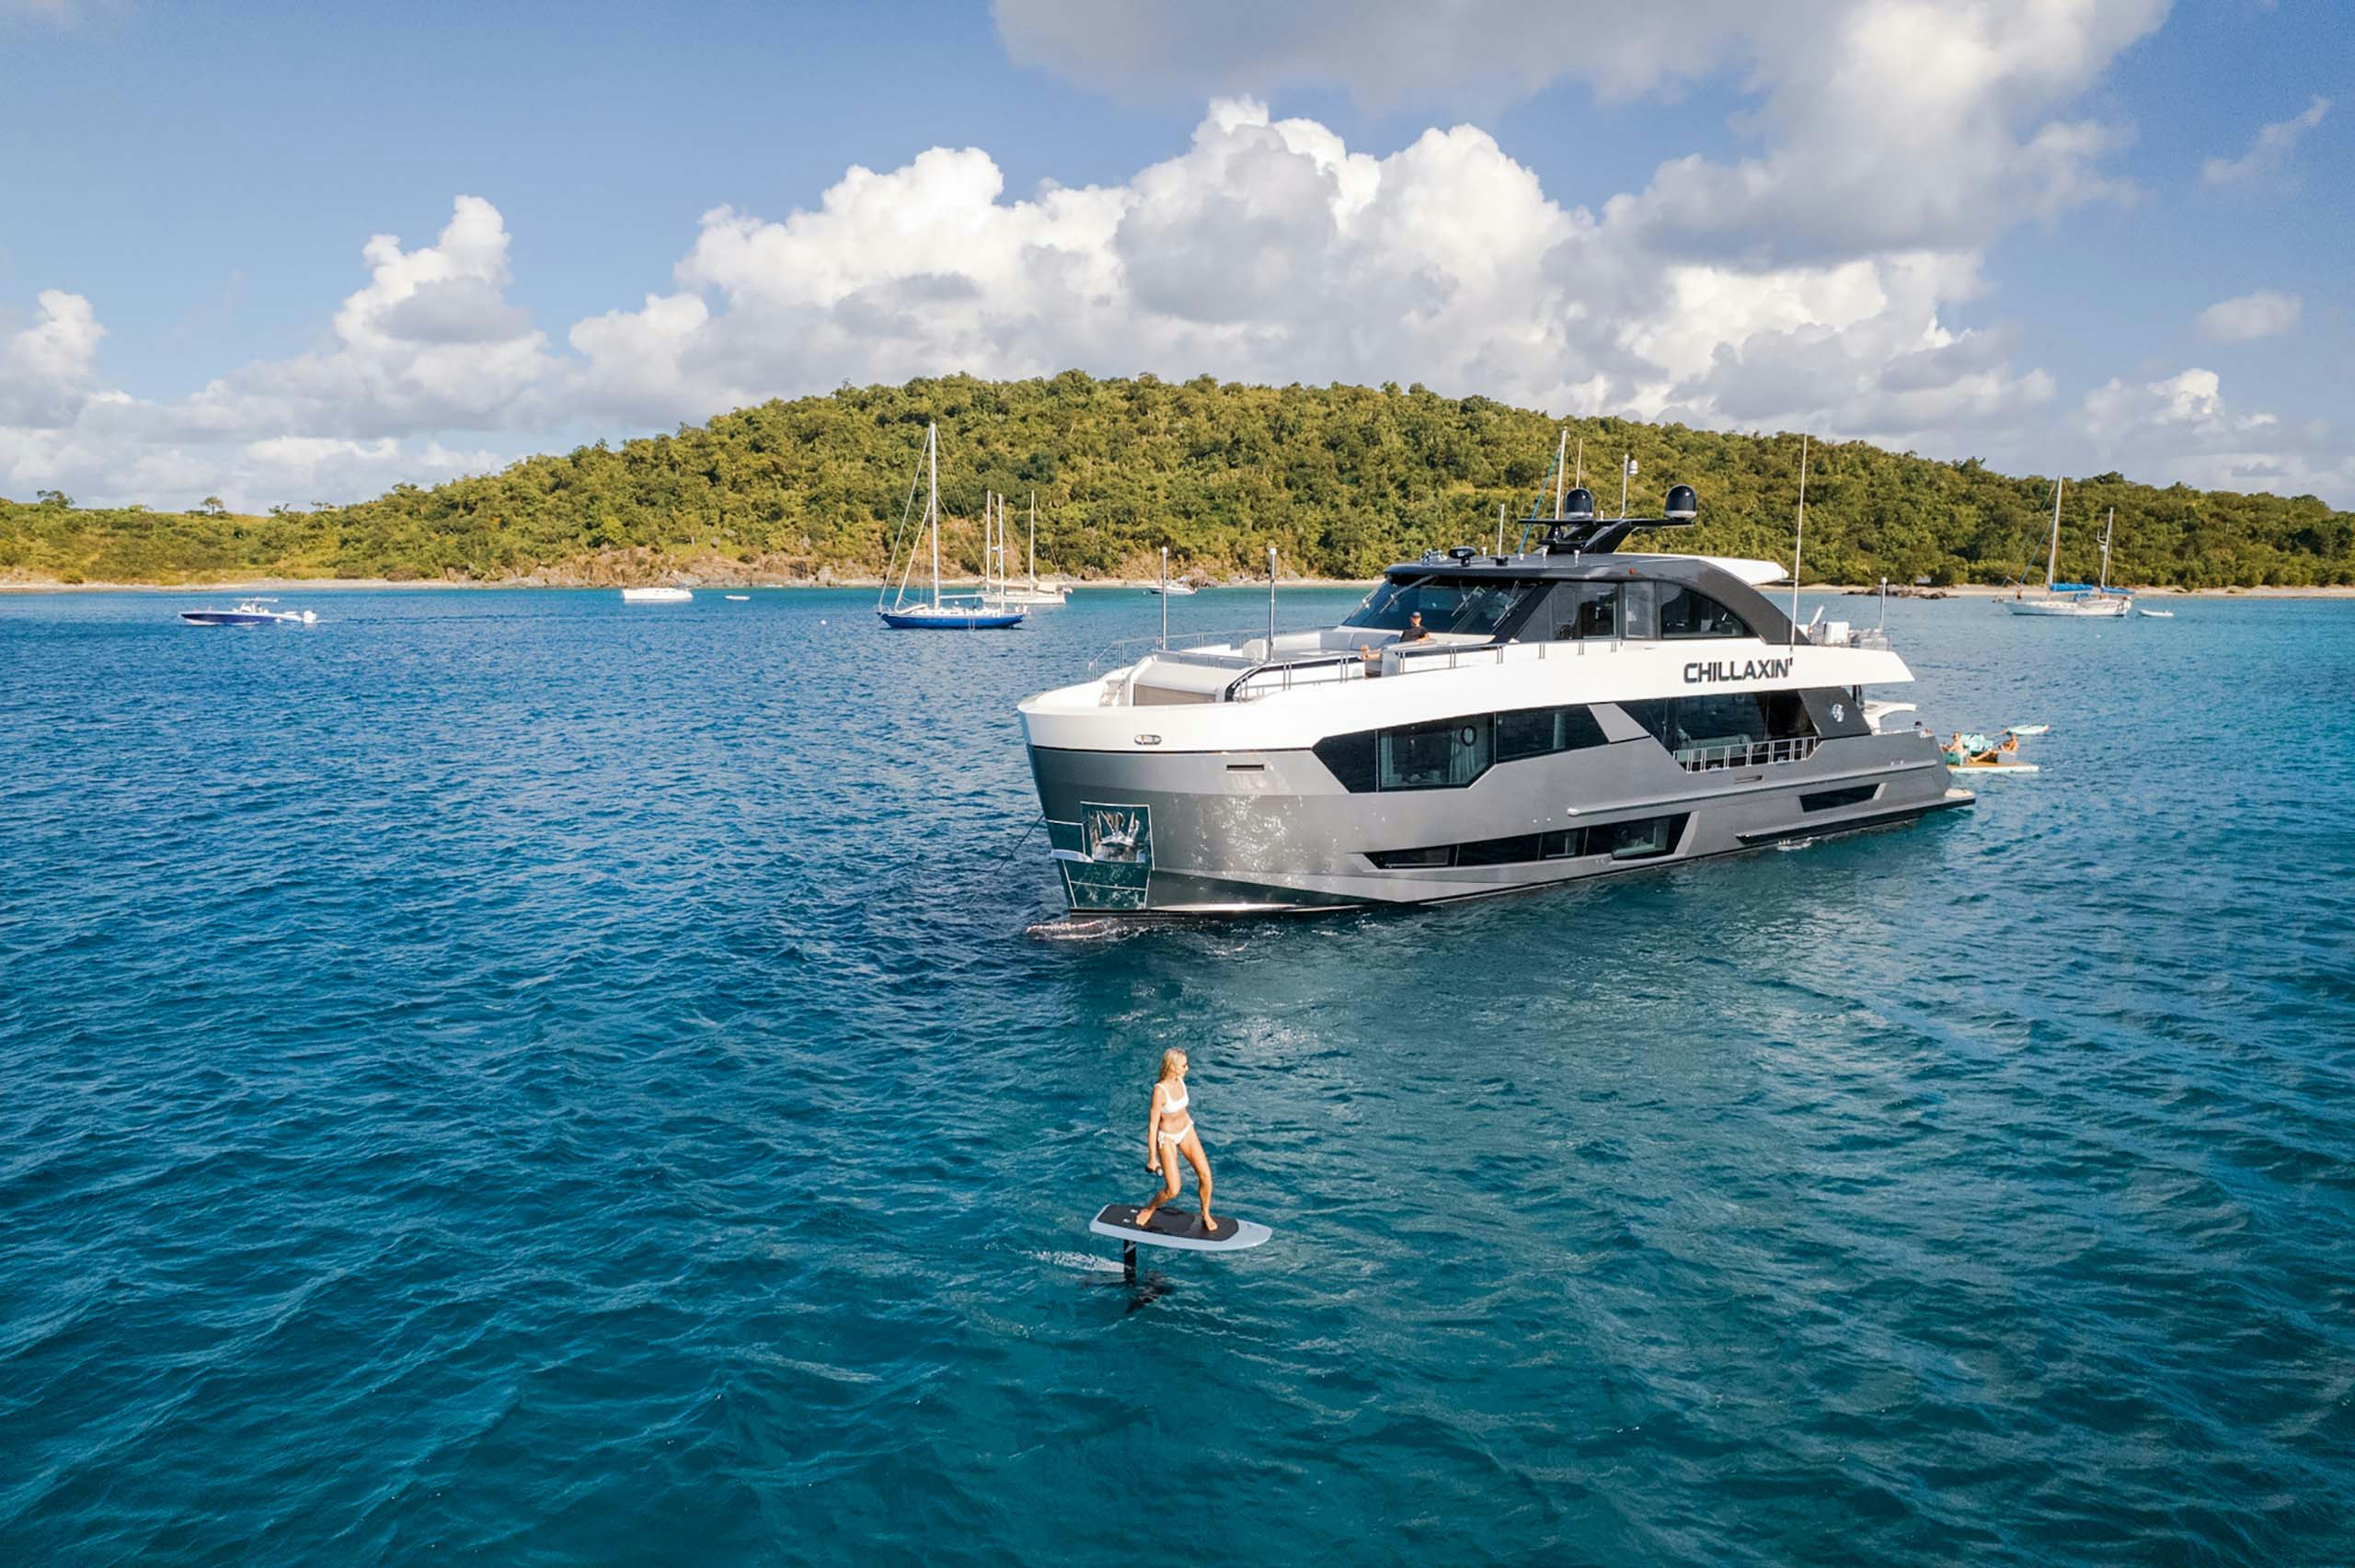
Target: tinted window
[
  {"x": 1635, "y": 840},
  {"x": 1402, "y": 860},
  {"x": 1683, "y": 723},
  {"x": 1684, "y": 613},
  {"x": 1658, "y": 715},
  {"x": 1585, "y": 610},
  {"x": 1729, "y": 720},
  {"x": 1501, "y": 852},
  {"x": 1350, "y": 759},
  {"x": 1832, "y": 799},
  {"x": 1448, "y": 754},
  {"x": 1445, "y": 605},
  {"x": 1538, "y": 732},
  {"x": 1620, "y": 840}
]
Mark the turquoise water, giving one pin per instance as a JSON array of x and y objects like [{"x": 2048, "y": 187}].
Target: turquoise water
[{"x": 502, "y": 1076}]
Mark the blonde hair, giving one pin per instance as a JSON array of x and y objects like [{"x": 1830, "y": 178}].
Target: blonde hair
[{"x": 1169, "y": 1060}]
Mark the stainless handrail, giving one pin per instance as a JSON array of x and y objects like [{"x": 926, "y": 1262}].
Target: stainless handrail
[
  {"x": 1342, "y": 667},
  {"x": 1746, "y": 754},
  {"x": 1119, "y": 650}
]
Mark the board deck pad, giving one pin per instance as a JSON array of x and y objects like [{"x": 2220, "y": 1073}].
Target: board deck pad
[{"x": 1178, "y": 1228}]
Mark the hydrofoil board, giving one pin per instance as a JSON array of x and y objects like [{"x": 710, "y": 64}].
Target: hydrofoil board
[{"x": 1181, "y": 1228}]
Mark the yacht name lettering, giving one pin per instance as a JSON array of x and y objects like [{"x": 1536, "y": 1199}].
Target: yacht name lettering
[{"x": 1737, "y": 669}]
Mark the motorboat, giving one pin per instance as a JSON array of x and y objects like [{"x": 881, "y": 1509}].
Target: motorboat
[
  {"x": 656, "y": 596},
  {"x": 2077, "y": 600},
  {"x": 1563, "y": 712},
  {"x": 2154, "y": 615},
  {"x": 1170, "y": 590},
  {"x": 737, "y": 597},
  {"x": 251, "y": 612},
  {"x": 973, "y": 611}
]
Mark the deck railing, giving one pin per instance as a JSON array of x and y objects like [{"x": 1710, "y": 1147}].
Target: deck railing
[{"x": 1745, "y": 754}]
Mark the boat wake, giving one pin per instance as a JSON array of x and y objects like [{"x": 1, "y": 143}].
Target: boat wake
[{"x": 1070, "y": 930}]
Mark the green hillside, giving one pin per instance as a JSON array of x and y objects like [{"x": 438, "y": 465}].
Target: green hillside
[{"x": 1340, "y": 479}]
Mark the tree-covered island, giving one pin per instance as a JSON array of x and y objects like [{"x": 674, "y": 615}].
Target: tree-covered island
[{"x": 1342, "y": 480}]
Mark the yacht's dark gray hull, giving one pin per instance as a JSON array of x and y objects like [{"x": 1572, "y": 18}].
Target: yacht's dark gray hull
[{"x": 1236, "y": 832}]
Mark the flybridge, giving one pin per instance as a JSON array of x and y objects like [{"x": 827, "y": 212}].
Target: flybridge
[{"x": 1704, "y": 671}]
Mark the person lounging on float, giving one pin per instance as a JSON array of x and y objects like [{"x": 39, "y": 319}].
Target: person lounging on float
[{"x": 1169, "y": 1132}]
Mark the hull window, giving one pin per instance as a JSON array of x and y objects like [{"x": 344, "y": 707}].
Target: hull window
[
  {"x": 1643, "y": 839},
  {"x": 1414, "y": 859},
  {"x": 1540, "y": 732},
  {"x": 1452, "y": 753},
  {"x": 1832, "y": 799},
  {"x": 1448, "y": 754},
  {"x": 1734, "y": 729}
]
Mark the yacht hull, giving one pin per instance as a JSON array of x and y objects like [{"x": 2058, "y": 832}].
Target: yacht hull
[
  {"x": 1275, "y": 831},
  {"x": 2087, "y": 609},
  {"x": 977, "y": 621}
]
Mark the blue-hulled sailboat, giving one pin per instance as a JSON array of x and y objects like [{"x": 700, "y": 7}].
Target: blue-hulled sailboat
[{"x": 942, "y": 612}]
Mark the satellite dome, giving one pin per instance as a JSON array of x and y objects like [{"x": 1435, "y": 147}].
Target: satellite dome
[
  {"x": 1578, "y": 506},
  {"x": 1684, "y": 505}
]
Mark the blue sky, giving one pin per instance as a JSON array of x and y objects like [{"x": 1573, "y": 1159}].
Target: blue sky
[{"x": 1980, "y": 228}]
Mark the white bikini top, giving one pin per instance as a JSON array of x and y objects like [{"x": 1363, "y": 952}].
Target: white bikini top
[{"x": 1177, "y": 1105}]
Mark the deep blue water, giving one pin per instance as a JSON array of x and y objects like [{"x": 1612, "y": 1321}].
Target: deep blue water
[{"x": 501, "y": 1076}]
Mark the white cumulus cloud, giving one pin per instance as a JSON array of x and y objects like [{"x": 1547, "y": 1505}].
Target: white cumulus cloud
[
  {"x": 1826, "y": 282},
  {"x": 2263, "y": 313},
  {"x": 2270, "y": 151}
]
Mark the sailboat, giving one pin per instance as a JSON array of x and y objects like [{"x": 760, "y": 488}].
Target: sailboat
[
  {"x": 2074, "y": 599},
  {"x": 941, "y": 611},
  {"x": 1034, "y": 594}
]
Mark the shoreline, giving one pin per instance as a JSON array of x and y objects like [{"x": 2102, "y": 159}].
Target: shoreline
[{"x": 378, "y": 585}]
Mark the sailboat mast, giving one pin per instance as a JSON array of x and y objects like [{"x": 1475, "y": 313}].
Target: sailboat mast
[
  {"x": 2106, "y": 530},
  {"x": 932, "y": 505},
  {"x": 1034, "y": 541},
  {"x": 2052, "y": 559},
  {"x": 1798, "y": 540}
]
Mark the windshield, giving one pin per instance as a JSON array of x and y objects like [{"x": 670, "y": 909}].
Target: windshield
[{"x": 1461, "y": 605}]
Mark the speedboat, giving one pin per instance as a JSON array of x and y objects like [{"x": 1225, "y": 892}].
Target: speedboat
[
  {"x": 251, "y": 612},
  {"x": 656, "y": 596},
  {"x": 1170, "y": 590},
  {"x": 1566, "y": 712}
]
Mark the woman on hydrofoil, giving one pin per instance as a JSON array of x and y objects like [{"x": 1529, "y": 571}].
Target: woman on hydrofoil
[{"x": 1169, "y": 1132}]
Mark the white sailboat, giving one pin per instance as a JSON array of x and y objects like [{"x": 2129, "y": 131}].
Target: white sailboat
[
  {"x": 2074, "y": 600},
  {"x": 1034, "y": 594},
  {"x": 941, "y": 611}
]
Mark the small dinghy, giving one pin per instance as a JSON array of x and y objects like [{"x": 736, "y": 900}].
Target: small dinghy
[
  {"x": 251, "y": 612},
  {"x": 656, "y": 596},
  {"x": 737, "y": 597},
  {"x": 2154, "y": 615}
]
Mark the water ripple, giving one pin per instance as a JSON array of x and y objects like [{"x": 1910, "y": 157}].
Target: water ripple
[{"x": 498, "y": 1075}]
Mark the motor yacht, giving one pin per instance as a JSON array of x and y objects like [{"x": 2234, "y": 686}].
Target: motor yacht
[
  {"x": 1566, "y": 711},
  {"x": 251, "y": 612}
]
